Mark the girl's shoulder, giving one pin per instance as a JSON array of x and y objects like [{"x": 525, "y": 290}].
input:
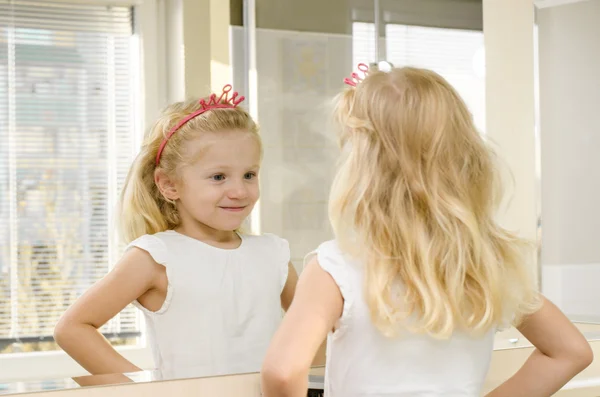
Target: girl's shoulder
[
  {"x": 335, "y": 261},
  {"x": 330, "y": 252},
  {"x": 153, "y": 245}
]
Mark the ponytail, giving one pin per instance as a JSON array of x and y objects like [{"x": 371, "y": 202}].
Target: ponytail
[{"x": 143, "y": 209}]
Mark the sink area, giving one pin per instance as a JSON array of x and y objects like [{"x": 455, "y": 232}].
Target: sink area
[{"x": 513, "y": 339}]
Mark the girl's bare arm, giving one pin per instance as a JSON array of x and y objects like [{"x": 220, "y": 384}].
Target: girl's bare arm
[
  {"x": 561, "y": 353},
  {"x": 77, "y": 330}
]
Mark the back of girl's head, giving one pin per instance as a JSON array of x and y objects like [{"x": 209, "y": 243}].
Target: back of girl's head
[
  {"x": 415, "y": 198},
  {"x": 143, "y": 209}
]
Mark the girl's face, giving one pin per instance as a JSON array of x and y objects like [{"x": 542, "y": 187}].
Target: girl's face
[{"x": 218, "y": 187}]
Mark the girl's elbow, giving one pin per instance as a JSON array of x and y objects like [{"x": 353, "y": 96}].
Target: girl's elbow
[
  {"x": 582, "y": 356},
  {"x": 576, "y": 357},
  {"x": 64, "y": 331},
  {"x": 61, "y": 332},
  {"x": 277, "y": 378},
  {"x": 274, "y": 379}
]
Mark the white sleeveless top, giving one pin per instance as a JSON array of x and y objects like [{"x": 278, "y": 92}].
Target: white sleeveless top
[
  {"x": 222, "y": 305},
  {"x": 362, "y": 362}
]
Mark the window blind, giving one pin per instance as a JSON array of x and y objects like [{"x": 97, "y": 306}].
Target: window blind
[
  {"x": 458, "y": 55},
  {"x": 363, "y": 43},
  {"x": 68, "y": 115}
]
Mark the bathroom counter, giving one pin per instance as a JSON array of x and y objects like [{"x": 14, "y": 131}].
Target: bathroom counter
[
  {"x": 511, "y": 351},
  {"x": 504, "y": 363},
  {"x": 511, "y": 338}
]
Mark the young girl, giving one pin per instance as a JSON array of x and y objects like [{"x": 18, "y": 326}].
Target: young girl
[
  {"x": 211, "y": 295},
  {"x": 420, "y": 276}
]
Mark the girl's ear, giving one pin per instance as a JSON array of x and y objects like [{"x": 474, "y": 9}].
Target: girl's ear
[{"x": 166, "y": 185}]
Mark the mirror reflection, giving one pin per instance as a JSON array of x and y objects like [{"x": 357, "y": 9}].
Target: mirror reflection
[{"x": 130, "y": 204}]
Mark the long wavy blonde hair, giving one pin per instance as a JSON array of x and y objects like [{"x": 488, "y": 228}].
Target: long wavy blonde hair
[
  {"x": 414, "y": 199},
  {"x": 142, "y": 207}
]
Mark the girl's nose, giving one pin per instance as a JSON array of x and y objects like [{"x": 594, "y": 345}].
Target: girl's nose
[{"x": 238, "y": 190}]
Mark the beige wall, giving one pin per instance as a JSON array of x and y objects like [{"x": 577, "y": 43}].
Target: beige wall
[
  {"x": 196, "y": 47},
  {"x": 510, "y": 105},
  {"x": 569, "y": 56}
]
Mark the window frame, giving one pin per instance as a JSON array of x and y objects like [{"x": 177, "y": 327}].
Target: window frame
[{"x": 150, "y": 29}]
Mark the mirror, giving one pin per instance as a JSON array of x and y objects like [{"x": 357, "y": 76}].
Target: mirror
[{"x": 75, "y": 92}]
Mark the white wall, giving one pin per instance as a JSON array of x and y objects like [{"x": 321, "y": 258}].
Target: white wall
[{"x": 569, "y": 84}]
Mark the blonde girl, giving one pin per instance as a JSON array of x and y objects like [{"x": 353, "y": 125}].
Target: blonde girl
[
  {"x": 211, "y": 294},
  {"x": 420, "y": 275}
]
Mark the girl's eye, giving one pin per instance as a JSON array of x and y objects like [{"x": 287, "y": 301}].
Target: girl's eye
[
  {"x": 218, "y": 177},
  {"x": 250, "y": 175}
]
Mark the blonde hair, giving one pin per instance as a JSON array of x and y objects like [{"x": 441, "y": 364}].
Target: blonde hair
[
  {"x": 414, "y": 198},
  {"x": 142, "y": 207}
]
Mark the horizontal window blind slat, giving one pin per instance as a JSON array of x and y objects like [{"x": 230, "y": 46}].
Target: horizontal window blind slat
[
  {"x": 76, "y": 23},
  {"x": 57, "y": 5},
  {"x": 26, "y": 24},
  {"x": 93, "y": 14}
]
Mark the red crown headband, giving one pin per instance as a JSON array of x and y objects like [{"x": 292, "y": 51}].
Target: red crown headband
[
  {"x": 355, "y": 78},
  {"x": 222, "y": 102}
]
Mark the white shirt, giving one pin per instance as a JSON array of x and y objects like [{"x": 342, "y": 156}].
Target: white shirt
[
  {"x": 222, "y": 306},
  {"x": 361, "y": 361}
]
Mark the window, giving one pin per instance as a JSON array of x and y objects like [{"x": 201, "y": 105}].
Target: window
[
  {"x": 456, "y": 54},
  {"x": 68, "y": 119},
  {"x": 363, "y": 43}
]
